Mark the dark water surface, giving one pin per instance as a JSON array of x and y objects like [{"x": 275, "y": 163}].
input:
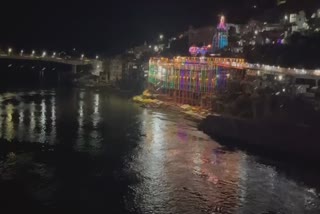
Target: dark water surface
[{"x": 94, "y": 152}]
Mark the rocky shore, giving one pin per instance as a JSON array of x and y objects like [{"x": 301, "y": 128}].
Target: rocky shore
[{"x": 148, "y": 100}]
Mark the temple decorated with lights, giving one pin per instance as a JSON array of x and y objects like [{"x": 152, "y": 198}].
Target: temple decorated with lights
[
  {"x": 192, "y": 80},
  {"x": 220, "y": 39}
]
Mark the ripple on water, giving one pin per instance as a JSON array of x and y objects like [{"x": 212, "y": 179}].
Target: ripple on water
[{"x": 102, "y": 146}]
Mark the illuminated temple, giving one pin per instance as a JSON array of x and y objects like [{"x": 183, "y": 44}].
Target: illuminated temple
[
  {"x": 192, "y": 80},
  {"x": 220, "y": 39}
]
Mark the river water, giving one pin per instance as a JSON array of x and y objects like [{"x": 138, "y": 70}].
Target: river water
[{"x": 92, "y": 151}]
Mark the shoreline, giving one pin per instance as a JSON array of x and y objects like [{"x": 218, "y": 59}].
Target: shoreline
[
  {"x": 149, "y": 101},
  {"x": 272, "y": 139}
]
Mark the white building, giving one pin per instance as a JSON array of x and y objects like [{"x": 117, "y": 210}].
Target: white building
[{"x": 299, "y": 21}]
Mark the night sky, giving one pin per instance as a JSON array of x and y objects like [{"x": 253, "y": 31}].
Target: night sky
[{"x": 110, "y": 26}]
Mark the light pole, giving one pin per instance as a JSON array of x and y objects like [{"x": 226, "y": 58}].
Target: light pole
[{"x": 9, "y": 51}]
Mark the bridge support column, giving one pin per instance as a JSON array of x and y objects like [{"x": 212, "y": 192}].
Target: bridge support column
[{"x": 74, "y": 69}]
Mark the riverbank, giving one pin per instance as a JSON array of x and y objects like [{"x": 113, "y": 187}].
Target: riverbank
[
  {"x": 274, "y": 137},
  {"x": 148, "y": 100}
]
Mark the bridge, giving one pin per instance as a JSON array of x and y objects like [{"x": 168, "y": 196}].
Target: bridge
[{"x": 97, "y": 65}]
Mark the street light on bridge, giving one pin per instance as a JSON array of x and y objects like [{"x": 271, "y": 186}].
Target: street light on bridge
[
  {"x": 54, "y": 54},
  {"x": 97, "y": 57},
  {"x": 44, "y": 54},
  {"x": 32, "y": 53},
  {"x": 82, "y": 56},
  {"x": 21, "y": 52},
  {"x": 9, "y": 51}
]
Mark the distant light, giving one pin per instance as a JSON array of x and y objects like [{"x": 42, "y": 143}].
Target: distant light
[
  {"x": 280, "y": 77},
  {"x": 285, "y": 17},
  {"x": 150, "y": 46},
  {"x": 53, "y": 54},
  {"x": 97, "y": 57},
  {"x": 161, "y": 36},
  {"x": 156, "y": 48},
  {"x": 9, "y": 50},
  {"x": 254, "y": 6},
  {"x": 33, "y": 52},
  {"x": 44, "y": 54},
  {"x": 21, "y": 52},
  {"x": 256, "y": 32},
  {"x": 82, "y": 56}
]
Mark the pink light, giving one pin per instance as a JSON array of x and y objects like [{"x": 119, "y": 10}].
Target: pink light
[{"x": 222, "y": 24}]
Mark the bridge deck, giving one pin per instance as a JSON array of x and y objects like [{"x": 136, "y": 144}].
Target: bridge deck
[{"x": 50, "y": 59}]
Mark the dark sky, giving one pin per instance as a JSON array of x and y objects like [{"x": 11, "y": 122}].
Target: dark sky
[{"x": 108, "y": 26}]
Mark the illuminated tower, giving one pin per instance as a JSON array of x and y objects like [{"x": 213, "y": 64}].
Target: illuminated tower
[{"x": 220, "y": 39}]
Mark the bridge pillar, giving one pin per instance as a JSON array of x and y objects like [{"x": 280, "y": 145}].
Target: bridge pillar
[{"x": 74, "y": 69}]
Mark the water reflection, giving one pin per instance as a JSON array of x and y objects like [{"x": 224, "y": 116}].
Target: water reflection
[
  {"x": 80, "y": 121},
  {"x": 20, "y": 131},
  {"x": 32, "y": 122},
  {"x": 156, "y": 162},
  {"x": 9, "y": 130},
  {"x": 53, "y": 121},
  {"x": 183, "y": 171},
  {"x": 43, "y": 122}
]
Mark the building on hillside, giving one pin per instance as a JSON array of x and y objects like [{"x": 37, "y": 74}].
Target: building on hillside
[
  {"x": 115, "y": 68},
  {"x": 220, "y": 39}
]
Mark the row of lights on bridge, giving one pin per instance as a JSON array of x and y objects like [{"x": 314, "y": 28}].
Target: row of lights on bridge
[{"x": 44, "y": 54}]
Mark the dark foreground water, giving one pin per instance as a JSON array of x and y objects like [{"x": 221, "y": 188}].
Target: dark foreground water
[{"x": 94, "y": 152}]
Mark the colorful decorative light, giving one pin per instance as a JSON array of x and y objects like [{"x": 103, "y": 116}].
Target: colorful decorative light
[
  {"x": 193, "y": 50},
  {"x": 222, "y": 25}
]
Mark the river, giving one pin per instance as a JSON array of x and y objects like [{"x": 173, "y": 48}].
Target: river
[{"x": 94, "y": 151}]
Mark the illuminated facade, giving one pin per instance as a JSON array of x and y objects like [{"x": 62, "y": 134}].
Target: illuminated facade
[
  {"x": 192, "y": 80},
  {"x": 220, "y": 39}
]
